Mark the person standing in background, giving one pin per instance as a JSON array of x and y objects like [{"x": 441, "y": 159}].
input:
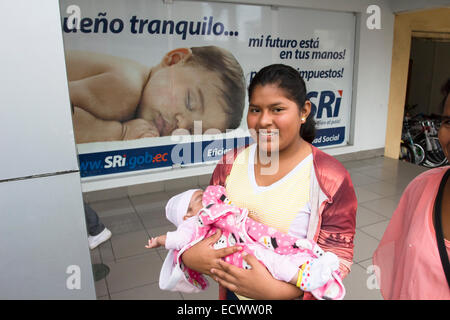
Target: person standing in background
[
  {"x": 97, "y": 231},
  {"x": 410, "y": 263}
]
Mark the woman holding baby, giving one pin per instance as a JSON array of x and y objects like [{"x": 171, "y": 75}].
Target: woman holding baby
[{"x": 285, "y": 183}]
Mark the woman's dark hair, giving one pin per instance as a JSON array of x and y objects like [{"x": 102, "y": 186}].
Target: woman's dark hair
[
  {"x": 445, "y": 90},
  {"x": 288, "y": 79}
]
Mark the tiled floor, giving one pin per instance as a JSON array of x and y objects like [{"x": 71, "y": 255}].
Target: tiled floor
[{"x": 134, "y": 270}]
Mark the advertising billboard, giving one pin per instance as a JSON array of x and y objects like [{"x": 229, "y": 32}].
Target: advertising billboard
[{"x": 155, "y": 84}]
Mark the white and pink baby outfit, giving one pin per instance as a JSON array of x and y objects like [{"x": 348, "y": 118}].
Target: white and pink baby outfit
[{"x": 282, "y": 254}]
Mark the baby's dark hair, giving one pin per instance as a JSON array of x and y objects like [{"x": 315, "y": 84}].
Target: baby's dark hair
[
  {"x": 230, "y": 73},
  {"x": 288, "y": 79}
]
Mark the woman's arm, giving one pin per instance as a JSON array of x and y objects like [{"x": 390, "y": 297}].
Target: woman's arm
[
  {"x": 337, "y": 230},
  {"x": 256, "y": 283},
  {"x": 202, "y": 257}
]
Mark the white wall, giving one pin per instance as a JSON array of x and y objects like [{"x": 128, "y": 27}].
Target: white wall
[{"x": 42, "y": 229}]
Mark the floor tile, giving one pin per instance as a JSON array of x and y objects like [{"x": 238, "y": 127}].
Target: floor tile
[
  {"x": 129, "y": 244},
  {"x": 366, "y": 217},
  {"x": 365, "y": 245},
  {"x": 366, "y": 263},
  {"x": 359, "y": 179},
  {"x": 382, "y": 188},
  {"x": 112, "y": 207},
  {"x": 154, "y": 219},
  {"x": 355, "y": 165},
  {"x": 123, "y": 223},
  {"x": 396, "y": 198},
  {"x": 381, "y": 162},
  {"x": 400, "y": 181},
  {"x": 153, "y": 232},
  {"x": 134, "y": 272},
  {"x": 356, "y": 285},
  {"x": 107, "y": 194},
  {"x": 182, "y": 183},
  {"x": 145, "y": 188},
  {"x": 146, "y": 292},
  {"x": 95, "y": 256},
  {"x": 379, "y": 173},
  {"x": 106, "y": 251},
  {"x": 384, "y": 206},
  {"x": 148, "y": 203},
  {"x": 363, "y": 195},
  {"x": 376, "y": 230},
  {"x": 101, "y": 288}
]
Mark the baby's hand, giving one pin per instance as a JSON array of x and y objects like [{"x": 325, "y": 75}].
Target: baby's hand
[
  {"x": 139, "y": 128},
  {"x": 152, "y": 243}
]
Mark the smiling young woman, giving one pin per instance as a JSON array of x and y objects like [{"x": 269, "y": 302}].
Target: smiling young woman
[{"x": 308, "y": 195}]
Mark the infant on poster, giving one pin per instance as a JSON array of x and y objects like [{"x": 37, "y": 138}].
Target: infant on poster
[
  {"x": 115, "y": 98},
  {"x": 197, "y": 214}
]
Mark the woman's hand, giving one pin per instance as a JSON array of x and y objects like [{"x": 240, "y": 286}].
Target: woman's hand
[
  {"x": 202, "y": 257},
  {"x": 256, "y": 283}
]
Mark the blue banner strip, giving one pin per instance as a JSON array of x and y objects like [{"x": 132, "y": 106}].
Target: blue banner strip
[
  {"x": 329, "y": 136},
  {"x": 127, "y": 160},
  {"x": 101, "y": 163}
]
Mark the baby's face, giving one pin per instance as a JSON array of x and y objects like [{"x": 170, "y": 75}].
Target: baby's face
[
  {"x": 195, "y": 204},
  {"x": 176, "y": 96}
]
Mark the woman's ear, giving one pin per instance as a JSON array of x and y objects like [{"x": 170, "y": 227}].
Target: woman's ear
[
  {"x": 175, "y": 56},
  {"x": 306, "y": 110}
]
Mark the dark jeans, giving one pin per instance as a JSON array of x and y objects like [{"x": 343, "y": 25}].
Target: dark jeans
[{"x": 93, "y": 223}]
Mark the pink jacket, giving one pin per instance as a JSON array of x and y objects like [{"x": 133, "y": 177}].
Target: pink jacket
[
  {"x": 407, "y": 261},
  {"x": 333, "y": 206}
]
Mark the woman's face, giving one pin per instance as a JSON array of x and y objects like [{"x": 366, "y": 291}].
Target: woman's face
[
  {"x": 444, "y": 131},
  {"x": 275, "y": 119},
  {"x": 177, "y": 95}
]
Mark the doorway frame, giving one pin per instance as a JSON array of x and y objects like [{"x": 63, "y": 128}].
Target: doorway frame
[{"x": 433, "y": 23}]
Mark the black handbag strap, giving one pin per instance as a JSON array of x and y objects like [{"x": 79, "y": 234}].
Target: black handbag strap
[{"x": 438, "y": 227}]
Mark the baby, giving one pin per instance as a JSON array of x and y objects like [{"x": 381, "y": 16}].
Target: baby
[
  {"x": 115, "y": 98},
  {"x": 198, "y": 214}
]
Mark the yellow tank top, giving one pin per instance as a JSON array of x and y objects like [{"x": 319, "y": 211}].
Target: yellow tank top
[{"x": 284, "y": 205}]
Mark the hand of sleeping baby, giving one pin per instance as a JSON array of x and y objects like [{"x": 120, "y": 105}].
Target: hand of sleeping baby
[
  {"x": 139, "y": 128},
  {"x": 154, "y": 243}
]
